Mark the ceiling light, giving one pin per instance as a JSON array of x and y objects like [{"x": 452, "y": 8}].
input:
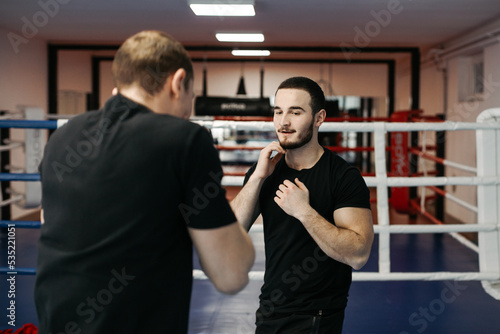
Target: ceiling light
[
  {"x": 238, "y": 37},
  {"x": 222, "y": 8},
  {"x": 263, "y": 53}
]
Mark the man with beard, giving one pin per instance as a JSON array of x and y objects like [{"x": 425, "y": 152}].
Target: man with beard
[{"x": 316, "y": 216}]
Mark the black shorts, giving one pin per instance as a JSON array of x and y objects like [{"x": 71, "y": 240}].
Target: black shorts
[{"x": 322, "y": 322}]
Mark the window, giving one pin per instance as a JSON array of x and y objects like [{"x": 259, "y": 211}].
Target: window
[{"x": 471, "y": 78}]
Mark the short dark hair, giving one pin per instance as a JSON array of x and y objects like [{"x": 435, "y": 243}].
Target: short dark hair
[
  {"x": 148, "y": 58},
  {"x": 308, "y": 85}
]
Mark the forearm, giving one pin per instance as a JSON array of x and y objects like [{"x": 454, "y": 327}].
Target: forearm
[
  {"x": 341, "y": 244},
  {"x": 241, "y": 257},
  {"x": 245, "y": 203},
  {"x": 226, "y": 255}
]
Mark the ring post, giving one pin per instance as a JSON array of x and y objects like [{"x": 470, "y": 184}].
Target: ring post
[
  {"x": 488, "y": 198},
  {"x": 4, "y": 162},
  {"x": 400, "y": 164},
  {"x": 33, "y": 148},
  {"x": 382, "y": 198},
  {"x": 440, "y": 153}
]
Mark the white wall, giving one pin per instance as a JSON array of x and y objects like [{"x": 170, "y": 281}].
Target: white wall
[
  {"x": 492, "y": 76},
  {"x": 24, "y": 83},
  {"x": 74, "y": 70},
  {"x": 403, "y": 87},
  {"x": 75, "y": 75},
  {"x": 346, "y": 79},
  {"x": 431, "y": 90},
  {"x": 461, "y": 146},
  {"x": 222, "y": 78},
  {"x": 24, "y": 74}
]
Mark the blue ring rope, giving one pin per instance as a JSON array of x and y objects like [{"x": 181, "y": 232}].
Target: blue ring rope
[
  {"x": 21, "y": 223},
  {"x": 22, "y": 124},
  {"x": 17, "y": 271},
  {"x": 28, "y": 124},
  {"x": 19, "y": 177}
]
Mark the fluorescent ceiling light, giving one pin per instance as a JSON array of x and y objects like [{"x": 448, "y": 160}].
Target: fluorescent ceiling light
[
  {"x": 222, "y": 8},
  {"x": 238, "y": 37},
  {"x": 264, "y": 53}
]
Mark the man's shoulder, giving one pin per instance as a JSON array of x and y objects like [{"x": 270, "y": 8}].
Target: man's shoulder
[
  {"x": 74, "y": 123},
  {"x": 184, "y": 130},
  {"x": 334, "y": 160},
  {"x": 338, "y": 167}
]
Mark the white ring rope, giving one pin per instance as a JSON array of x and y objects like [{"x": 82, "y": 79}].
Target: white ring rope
[
  {"x": 466, "y": 242},
  {"x": 461, "y": 202},
  {"x": 11, "y": 200},
  {"x": 433, "y": 276},
  {"x": 398, "y": 181},
  {"x": 258, "y": 275},
  {"x": 459, "y": 166},
  {"x": 357, "y": 127},
  {"x": 10, "y": 147},
  {"x": 61, "y": 122},
  {"x": 448, "y": 228}
]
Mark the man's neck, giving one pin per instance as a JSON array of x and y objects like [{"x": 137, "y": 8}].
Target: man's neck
[
  {"x": 140, "y": 96},
  {"x": 304, "y": 157}
]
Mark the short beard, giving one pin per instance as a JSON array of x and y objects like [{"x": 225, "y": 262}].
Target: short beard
[{"x": 301, "y": 141}]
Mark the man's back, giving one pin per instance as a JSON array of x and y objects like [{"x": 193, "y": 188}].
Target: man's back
[{"x": 115, "y": 245}]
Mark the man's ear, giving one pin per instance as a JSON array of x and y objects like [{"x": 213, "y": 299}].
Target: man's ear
[
  {"x": 177, "y": 82},
  {"x": 320, "y": 117}
]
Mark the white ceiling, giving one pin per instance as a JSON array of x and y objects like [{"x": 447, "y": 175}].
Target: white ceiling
[{"x": 413, "y": 23}]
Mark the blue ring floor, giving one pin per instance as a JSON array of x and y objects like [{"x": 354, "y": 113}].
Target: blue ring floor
[{"x": 399, "y": 307}]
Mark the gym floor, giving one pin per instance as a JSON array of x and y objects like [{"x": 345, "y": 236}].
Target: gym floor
[{"x": 400, "y": 307}]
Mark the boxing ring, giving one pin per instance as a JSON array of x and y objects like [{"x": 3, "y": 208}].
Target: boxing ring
[
  {"x": 487, "y": 181},
  {"x": 486, "y": 178}
]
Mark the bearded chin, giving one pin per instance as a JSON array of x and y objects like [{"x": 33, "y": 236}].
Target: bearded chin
[{"x": 300, "y": 142}]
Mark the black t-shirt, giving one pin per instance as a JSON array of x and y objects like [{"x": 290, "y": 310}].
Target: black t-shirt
[
  {"x": 299, "y": 276},
  {"x": 119, "y": 188}
]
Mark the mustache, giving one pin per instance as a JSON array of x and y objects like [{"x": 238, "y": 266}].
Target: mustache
[{"x": 285, "y": 129}]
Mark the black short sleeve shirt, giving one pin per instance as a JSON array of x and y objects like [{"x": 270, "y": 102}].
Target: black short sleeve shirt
[
  {"x": 299, "y": 276},
  {"x": 120, "y": 187}
]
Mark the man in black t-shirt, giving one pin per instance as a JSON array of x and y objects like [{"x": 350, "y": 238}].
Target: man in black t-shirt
[
  {"x": 316, "y": 215},
  {"x": 126, "y": 192}
]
